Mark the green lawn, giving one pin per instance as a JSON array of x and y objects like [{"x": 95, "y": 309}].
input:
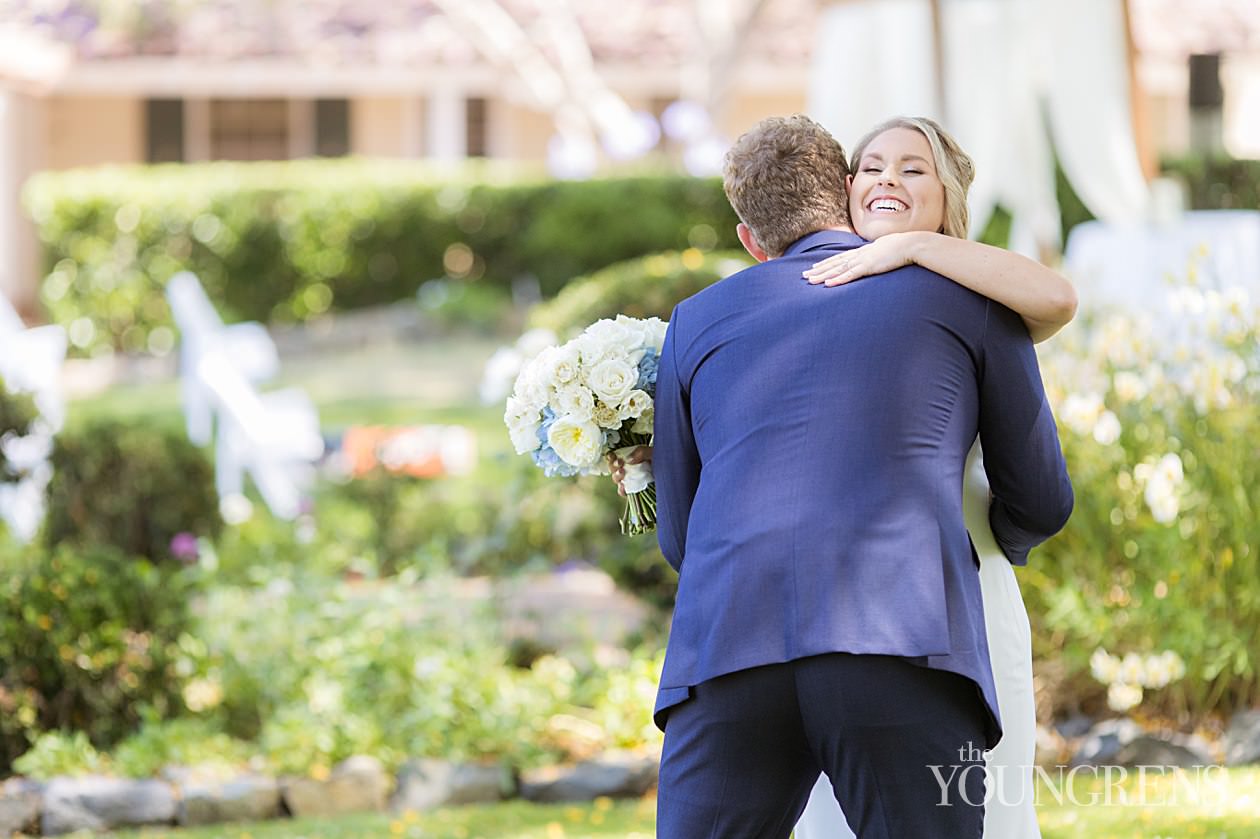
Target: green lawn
[{"x": 1224, "y": 806}]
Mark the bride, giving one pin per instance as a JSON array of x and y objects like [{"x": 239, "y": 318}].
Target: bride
[
  {"x": 916, "y": 157},
  {"x": 905, "y": 171}
]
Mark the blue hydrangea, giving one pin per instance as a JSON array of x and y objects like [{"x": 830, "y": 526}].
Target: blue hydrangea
[
  {"x": 647, "y": 371},
  {"x": 548, "y": 420}
]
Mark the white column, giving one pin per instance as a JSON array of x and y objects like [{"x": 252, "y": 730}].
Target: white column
[
  {"x": 196, "y": 130},
  {"x": 301, "y": 128},
  {"x": 20, "y": 129},
  {"x": 446, "y": 125}
]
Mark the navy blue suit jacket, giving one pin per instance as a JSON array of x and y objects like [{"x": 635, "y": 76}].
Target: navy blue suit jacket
[{"x": 810, "y": 448}]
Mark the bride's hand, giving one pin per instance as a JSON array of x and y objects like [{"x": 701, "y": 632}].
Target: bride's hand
[
  {"x": 642, "y": 454},
  {"x": 887, "y": 253}
]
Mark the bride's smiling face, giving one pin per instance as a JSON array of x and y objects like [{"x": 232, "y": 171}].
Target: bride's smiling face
[{"x": 895, "y": 187}]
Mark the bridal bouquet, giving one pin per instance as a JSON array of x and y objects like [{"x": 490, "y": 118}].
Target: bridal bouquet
[{"x": 573, "y": 404}]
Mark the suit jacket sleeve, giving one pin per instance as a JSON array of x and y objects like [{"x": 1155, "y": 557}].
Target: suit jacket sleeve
[
  {"x": 675, "y": 460},
  {"x": 1032, "y": 494}
]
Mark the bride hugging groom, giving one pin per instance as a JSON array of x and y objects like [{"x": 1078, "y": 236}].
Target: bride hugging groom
[{"x": 818, "y": 475}]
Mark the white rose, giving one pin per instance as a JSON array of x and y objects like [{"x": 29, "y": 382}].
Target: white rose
[
  {"x": 612, "y": 380},
  {"x": 574, "y": 400},
  {"x": 656, "y": 329},
  {"x": 523, "y": 422},
  {"x": 577, "y": 443},
  {"x": 609, "y": 333},
  {"x": 531, "y": 387},
  {"x": 562, "y": 366},
  {"x": 644, "y": 424}
]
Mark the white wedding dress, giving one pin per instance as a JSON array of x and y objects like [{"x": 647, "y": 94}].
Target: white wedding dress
[{"x": 1009, "y": 811}]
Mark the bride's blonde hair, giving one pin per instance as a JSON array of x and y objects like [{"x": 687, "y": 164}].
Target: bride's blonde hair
[{"x": 953, "y": 166}]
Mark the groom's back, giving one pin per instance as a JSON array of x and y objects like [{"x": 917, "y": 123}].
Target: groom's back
[{"x": 832, "y": 427}]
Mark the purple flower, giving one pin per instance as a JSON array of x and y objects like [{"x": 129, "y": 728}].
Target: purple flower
[{"x": 184, "y": 547}]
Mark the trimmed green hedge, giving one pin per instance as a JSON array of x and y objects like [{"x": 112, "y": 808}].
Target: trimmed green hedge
[
  {"x": 649, "y": 286},
  {"x": 283, "y": 242}
]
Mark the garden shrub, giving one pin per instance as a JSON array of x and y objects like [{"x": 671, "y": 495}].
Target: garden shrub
[
  {"x": 648, "y": 286},
  {"x": 88, "y": 637},
  {"x": 132, "y": 485},
  {"x": 1162, "y": 438},
  {"x": 285, "y": 242},
  {"x": 17, "y": 419}
]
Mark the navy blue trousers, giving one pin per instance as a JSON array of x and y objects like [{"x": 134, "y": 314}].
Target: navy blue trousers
[{"x": 743, "y": 752}]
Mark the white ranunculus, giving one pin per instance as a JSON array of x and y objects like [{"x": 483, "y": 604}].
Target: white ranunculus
[
  {"x": 573, "y": 400},
  {"x": 577, "y": 443},
  {"x": 612, "y": 380},
  {"x": 635, "y": 403},
  {"x": 523, "y": 422}
]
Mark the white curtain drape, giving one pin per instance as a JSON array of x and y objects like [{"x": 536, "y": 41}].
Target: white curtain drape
[
  {"x": 872, "y": 59},
  {"x": 1017, "y": 72},
  {"x": 1089, "y": 102}
]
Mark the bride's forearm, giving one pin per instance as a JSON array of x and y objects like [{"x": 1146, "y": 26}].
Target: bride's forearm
[{"x": 1041, "y": 296}]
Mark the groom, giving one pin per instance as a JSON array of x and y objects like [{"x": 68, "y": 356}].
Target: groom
[{"x": 809, "y": 461}]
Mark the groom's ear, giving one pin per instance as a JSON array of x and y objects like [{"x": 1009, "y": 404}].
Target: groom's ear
[{"x": 750, "y": 243}]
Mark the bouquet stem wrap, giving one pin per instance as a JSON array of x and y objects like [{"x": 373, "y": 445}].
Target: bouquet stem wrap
[{"x": 640, "y": 514}]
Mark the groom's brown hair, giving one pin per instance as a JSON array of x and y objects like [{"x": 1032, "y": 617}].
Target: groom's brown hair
[{"x": 785, "y": 178}]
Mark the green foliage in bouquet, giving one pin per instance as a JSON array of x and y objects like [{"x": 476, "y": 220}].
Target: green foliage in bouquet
[
  {"x": 17, "y": 416},
  {"x": 132, "y": 485},
  {"x": 88, "y": 637},
  {"x": 286, "y": 242},
  {"x": 646, "y": 287},
  {"x": 1162, "y": 436}
]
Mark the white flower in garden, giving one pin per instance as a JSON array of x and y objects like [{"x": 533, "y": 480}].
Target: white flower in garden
[
  {"x": 613, "y": 379},
  {"x": 1081, "y": 412},
  {"x": 574, "y": 400},
  {"x": 1132, "y": 668},
  {"x": 1121, "y": 697},
  {"x": 523, "y": 422},
  {"x": 578, "y": 443},
  {"x": 236, "y": 508},
  {"x": 1129, "y": 386},
  {"x": 1162, "y": 500},
  {"x": 202, "y": 695},
  {"x": 1104, "y": 666},
  {"x": 635, "y": 403},
  {"x": 1163, "y": 669},
  {"x": 1169, "y": 468},
  {"x": 1107, "y": 429}
]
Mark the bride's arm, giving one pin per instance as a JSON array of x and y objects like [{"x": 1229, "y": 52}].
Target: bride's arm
[{"x": 1041, "y": 296}]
